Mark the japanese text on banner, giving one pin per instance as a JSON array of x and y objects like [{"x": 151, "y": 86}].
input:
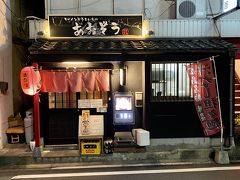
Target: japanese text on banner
[{"x": 203, "y": 85}]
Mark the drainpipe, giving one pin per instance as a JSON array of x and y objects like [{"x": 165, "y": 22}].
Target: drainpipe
[
  {"x": 36, "y": 117},
  {"x": 231, "y": 100}
]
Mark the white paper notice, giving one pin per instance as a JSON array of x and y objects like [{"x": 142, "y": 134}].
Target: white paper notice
[
  {"x": 84, "y": 103},
  {"x": 95, "y": 127},
  {"x": 95, "y": 103}
]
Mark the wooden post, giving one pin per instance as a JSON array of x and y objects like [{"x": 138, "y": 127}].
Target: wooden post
[{"x": 36, "y": 117}]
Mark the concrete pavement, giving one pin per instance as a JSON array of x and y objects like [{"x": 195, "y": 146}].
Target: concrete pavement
[{"x": 20, "y": 154}]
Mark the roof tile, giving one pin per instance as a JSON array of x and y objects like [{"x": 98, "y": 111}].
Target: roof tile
[{"x": 121, "y": 45}]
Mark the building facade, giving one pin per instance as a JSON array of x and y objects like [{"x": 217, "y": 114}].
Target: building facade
[
  {"x": 154, "y": 63},
  {"x": 161, "y": 73}
]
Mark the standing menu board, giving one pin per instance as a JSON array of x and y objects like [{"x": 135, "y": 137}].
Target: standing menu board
[{"x": 91, "y": 126}]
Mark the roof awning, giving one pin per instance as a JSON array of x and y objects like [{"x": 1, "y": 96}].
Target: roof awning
[{"x": 127, "y": 47}]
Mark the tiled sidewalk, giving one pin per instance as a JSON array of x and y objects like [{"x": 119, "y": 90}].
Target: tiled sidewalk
[{"x": 16, "y": 150}]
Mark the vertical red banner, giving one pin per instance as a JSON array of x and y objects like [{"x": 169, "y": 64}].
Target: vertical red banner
[{"x": 203, "y": 84}]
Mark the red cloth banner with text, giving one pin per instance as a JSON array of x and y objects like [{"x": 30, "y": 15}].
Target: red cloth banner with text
[{"x": 203, "y": 84}]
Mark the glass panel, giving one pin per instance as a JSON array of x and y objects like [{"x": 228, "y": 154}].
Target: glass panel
[
  {"x": 62, "y": 100},
  {"x": 74, "y": 104},
  {"x": 170, "y": 81},
  {"x": 65, "y": 101},
  {"x": 89, "y": 95},
  {"x": 184, "y": 82},
  {"x": 58, "y": 105},
  {"x": 59, "y": 98},
  {"x": 69, "y": 99},
  {"x": 105, "y": 98},
  {"x": 51, "y": 100},
  {"x": 83, "y": 95},
  {"x": 96, "y": 94},
  {"x": 72, "y": 100}
]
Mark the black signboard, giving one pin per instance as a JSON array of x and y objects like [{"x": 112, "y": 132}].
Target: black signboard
[{"x": 95, "y": 26}]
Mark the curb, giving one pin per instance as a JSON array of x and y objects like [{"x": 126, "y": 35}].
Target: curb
[{"x": 69, "y": 166}]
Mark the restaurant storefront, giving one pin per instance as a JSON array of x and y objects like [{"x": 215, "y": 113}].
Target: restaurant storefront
[
  {"x": 86, "y": 76},
  {"x": 155, "y": 67}
]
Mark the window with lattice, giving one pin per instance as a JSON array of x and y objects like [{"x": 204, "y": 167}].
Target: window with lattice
[{"x": 169, "y": 81}]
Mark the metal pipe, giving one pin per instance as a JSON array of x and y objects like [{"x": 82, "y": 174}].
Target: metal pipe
[
  {"x": 231, "y": 100},
  {"x": 219, "y": 103}
]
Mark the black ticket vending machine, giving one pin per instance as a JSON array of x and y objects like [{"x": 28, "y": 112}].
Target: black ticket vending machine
[{"x": 123, "y": 115}]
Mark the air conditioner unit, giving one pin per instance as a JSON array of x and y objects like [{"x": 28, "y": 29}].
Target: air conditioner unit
[{"x": 191, "y": 9}]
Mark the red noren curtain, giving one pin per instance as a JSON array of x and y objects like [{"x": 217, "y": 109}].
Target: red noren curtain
[{"x": 75, "y": 81}]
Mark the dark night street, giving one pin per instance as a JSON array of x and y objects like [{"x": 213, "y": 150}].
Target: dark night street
[{"x": 176, "y": 172}]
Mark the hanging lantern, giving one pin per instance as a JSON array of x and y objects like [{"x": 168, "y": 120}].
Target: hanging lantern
[{"x": 30, "y": 80}]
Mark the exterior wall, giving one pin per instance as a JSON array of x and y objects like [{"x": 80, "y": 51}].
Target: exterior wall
[
  {"x": 182, "y": 28},
  {"x": 230, "y": 21},
  {"x": 22, "y": 9},
  {"x": 6, "y": 104},
  {"x": 134, "y": 76},
  {"x": 172, "y": 28},
  {"x": 152, "y": 9},
  {"x": 226, "y": 24},
  {"x": 185, "y": 143},
  {"x": 234, "y": 15},
  {"x": 159, "y": 16},
  {"x": 93, "y": 7},
  {"x": 21, "y": 102}
]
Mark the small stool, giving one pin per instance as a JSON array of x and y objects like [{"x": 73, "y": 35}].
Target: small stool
[{"x": 15, "y": 135}]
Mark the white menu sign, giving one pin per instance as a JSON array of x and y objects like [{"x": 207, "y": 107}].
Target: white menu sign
[
  {"x": 90, "y": 103},
  {"x": 95, "y": 126},
  {"x": 84, "y": 103}
]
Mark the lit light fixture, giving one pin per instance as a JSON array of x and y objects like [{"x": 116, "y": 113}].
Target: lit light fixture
[
  {"x": 123, "y": 75},
  {"x": 74, "y": 63},
  {"x": 145, "y": 29},
  {"x": 146, "y": 32},
  {"x": 30, "y": 80}
]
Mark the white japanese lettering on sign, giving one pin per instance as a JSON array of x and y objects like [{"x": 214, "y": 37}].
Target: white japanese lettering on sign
[{"x": 74, "y": 26}]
